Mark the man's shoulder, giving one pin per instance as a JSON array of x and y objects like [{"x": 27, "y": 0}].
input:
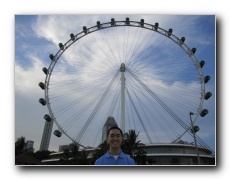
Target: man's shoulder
[
  {"x": 128, "y": 158},
  {"x": 98, "y": 161}
]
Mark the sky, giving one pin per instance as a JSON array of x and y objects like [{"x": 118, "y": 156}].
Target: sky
[
  {"x": 8, "y": 78},
  {"x": 37, "y": 36}
]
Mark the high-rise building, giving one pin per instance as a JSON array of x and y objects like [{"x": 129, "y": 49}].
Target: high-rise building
[
  {"x": 46, "y": 136},
  {"x": 110, "y": 122},
  {"x": 30, "y": 145}
]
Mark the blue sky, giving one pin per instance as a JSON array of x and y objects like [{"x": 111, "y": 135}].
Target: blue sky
[{"x": 38, "y": 36}]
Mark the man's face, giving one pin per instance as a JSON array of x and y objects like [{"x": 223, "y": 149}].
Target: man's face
[{"x": 114, "y": 138}]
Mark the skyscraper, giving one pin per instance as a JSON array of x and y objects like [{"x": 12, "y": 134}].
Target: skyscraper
[
  {"x": 46, "y": 136},
  {"x": 110, "y": 122}
]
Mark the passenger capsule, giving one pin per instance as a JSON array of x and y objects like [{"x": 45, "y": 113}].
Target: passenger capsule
[
  {"x": 182, "y": 40},
  {"x": 72, "y": 36},
  {"x": 207, "y": 78},
  {"x": 195, "y": 129},
  {"x": 156, "y": 25},
  {"x": 51, "y": 57},
  {"x": 202, "y": 63},
  {"x": 112, "y": 22},
  {"x": 193, "y": 50},
  {"x": 207, "y": 95},
  {"x": 204, "y": 112},
  {"x": 45, "y": 70},
  {"x": 142, "y": 22},
  {"x": 85, "y": 29},
  {"x": 42, "y": 101},
  {"x": 127, "y": 21},
  {"x": 170, "y": 32},
  {"x": 61, "y": 46},
  {"x": 47, "y": 117},
  {"x": 42, "y": 85},
  {"x": 57, "y": 133},
  {"x": 98, "y": 24}
]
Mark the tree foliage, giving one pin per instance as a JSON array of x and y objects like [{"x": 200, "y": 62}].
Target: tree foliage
[
  {"x": 130, "y": 142},
  {"x": 20, "y": 145}
]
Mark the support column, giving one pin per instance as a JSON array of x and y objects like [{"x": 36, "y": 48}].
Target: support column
[{"x": 122, "y": 122}]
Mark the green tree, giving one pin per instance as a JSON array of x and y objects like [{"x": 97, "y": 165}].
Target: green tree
[
  {"x": 140, "y": 157},
  {"x": 74, "y": 152},
  {"x": 65, "y": 157},
  {"x": 66, "y": 154},
  {"x": 41, "y": 155},
  {"x": 20, "y": 145},
  {"x": 72, "y": 156},
  {"x": 83, "y": 158},
  {"x": 130, "y": 142}
]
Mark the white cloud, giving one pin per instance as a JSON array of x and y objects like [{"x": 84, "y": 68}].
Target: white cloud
[
  {"x": 27, "y": 79},
  {"x": 92, "y": 61}
]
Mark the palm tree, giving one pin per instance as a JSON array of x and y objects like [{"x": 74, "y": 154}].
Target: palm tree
[
  {"x": 20, "y": 145},
  {"x": 140, "y": 157},
  {"x": 130, "y": 142}
]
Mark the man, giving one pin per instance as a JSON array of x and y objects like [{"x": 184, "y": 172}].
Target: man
[{"x": 114, "y": 155}]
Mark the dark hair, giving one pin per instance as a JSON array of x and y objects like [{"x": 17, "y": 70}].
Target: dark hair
[{"x": 114, "y": 127}]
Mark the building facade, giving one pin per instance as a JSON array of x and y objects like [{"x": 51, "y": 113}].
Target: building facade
[{"x": 176, "y": 154}]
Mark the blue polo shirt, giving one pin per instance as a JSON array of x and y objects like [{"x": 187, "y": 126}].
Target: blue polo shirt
[{"x": 108, "y": 159}]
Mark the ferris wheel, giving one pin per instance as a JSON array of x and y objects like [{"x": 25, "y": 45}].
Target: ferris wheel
[{"x": 144, "y": 76}]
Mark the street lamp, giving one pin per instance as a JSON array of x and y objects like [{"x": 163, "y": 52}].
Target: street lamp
[{"x": 194, "y": 136}]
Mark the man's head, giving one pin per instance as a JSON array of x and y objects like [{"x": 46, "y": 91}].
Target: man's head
[
  {"x": 115, "y": 137},
  {"x": 114, "y": 127}
]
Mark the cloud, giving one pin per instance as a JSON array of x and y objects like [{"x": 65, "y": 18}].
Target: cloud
[
  {"x": 85, "y": 69},
  {"x": 27, "y": 79}
]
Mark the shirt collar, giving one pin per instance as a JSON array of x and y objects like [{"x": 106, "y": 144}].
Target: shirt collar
[{"x": 121, "y": 155}]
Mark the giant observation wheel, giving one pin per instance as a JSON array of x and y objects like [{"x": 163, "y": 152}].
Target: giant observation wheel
[{"x": 137, "y": 72}]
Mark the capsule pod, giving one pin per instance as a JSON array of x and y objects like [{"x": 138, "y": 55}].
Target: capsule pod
[
  {"x": 193, "y": 50},
  {"x": 72, "y": 36},
  {"x": 85, "y": 29},
  {"x": 207, "y": 95},
  {"x": 195, "y": 129},
  {"x": 51, "y": 57},
  {"x": 170, "y": 32},
  {"x": 204, "y": 112},
  {"x": 142, "y": 22},
  {"x": 61, "y": 46},
  {"x": 47, "y": 117},
  {"x": 112, "y": 22},
  {"x": 42, "y": 85},
  {"x": 45, "y": 70},
  {"x": 57, "y": 133},
  {"x": 206, "y": 79},
  {"x": 202, "y": 63},
  {"x": 98, "y": 24},
  {"x": 42, "y": 101},
  {"x": 127, "y": 21},
  {"x": 156, "y": 26},
  {"x": 182, "y": 40}
]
